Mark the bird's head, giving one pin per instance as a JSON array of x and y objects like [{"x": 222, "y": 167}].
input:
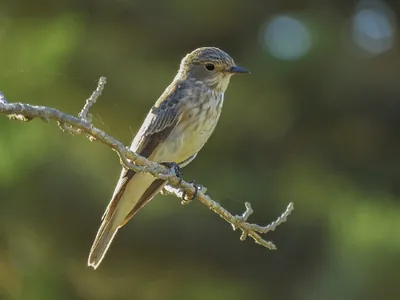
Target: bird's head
[{"x": 210, "y": 66}]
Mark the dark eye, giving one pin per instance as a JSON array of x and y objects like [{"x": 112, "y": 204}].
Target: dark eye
[{"x": 210, "y": 67}]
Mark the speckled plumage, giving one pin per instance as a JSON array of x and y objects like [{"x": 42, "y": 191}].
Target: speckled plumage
[{"x": 175, "y": 129}]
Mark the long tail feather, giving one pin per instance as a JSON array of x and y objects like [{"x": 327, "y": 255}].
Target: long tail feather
[
  {"x": 103, "y": 240},
  {"x": 133, "y": 191}
]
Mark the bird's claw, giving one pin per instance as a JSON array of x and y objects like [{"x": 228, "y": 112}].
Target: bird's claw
[
  {"x": 176, "y": 170},
  {"x": 197, "y": 188}
]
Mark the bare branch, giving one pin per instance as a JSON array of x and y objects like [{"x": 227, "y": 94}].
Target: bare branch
[
  {"x": 248, "y": 229},
  {"x": 84, "y": 114},
  {"x": 131, "y": 160}
]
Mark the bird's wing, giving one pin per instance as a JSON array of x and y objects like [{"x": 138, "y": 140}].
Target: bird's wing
[{"x": 159, "y": 123}]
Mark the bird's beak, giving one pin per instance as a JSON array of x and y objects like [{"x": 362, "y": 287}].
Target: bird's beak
[{"x": 238, "y": 70}]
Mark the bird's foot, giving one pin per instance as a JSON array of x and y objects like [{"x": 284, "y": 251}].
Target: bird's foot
[
  {"x": 175, "y": 169},
  {"x": 197, "y": 188}
]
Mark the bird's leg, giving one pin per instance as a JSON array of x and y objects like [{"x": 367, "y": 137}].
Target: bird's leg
[
  {"x": 197, "y": 188},
  {"x": 174, "y": 167}
]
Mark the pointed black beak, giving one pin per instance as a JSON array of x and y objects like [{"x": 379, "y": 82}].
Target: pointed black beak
[{"x": 238, "y": 70}]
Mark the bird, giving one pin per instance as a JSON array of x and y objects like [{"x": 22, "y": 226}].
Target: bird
[{"x": 173, "y": 132}]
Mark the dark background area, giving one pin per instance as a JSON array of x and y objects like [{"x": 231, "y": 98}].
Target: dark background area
[{"x": 317, "y": 124}]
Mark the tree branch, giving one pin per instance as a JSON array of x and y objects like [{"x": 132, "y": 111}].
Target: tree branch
[{"x": 131, "y": 160}]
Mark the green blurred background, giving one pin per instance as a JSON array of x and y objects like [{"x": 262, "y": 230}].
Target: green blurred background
[{"x": 317, "y": 124}]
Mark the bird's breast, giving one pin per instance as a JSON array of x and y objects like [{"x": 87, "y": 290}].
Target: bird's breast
[{"x": 194, "y": 129}]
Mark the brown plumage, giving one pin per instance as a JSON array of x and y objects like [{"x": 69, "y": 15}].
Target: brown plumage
[{"x": 175, "y": 129}]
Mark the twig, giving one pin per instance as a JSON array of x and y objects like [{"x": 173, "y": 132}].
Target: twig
[
  {"x": 84, "y": 114},
  {"x": 237, "y": 222},
  {"x": 132, "y": 160}
]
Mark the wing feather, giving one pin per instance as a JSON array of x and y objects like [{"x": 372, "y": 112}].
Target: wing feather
[{"x": 159, "y": 123}]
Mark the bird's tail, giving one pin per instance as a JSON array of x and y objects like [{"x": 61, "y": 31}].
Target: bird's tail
[
  {"x": 104, "y": 237},
  {"x": 133, "y": 191}
]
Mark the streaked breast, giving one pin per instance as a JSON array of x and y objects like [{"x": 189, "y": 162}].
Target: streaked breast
[{"x": 194, "y": 129}]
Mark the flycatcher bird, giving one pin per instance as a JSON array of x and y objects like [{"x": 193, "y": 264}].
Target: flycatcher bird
[{"x": 174, "y": 131}]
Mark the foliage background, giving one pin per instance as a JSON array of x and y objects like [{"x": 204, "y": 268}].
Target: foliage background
[{"x": 317, "y": 123}]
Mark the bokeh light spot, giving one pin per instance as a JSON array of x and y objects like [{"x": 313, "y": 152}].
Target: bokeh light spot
[
  {"x": 373, "y": 29},
  {"x": 287, "y": 38}
]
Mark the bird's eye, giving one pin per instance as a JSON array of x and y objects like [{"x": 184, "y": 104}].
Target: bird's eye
[{"x": 210, "y": 67}]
